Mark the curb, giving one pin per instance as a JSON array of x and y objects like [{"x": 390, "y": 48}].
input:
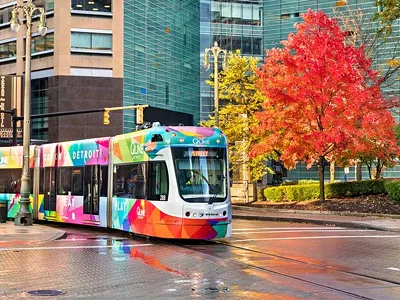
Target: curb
[
  {"x": 312, "y": 221},
  {"x": 314, "y": 212},
  {"x": 59, "y": 236}
]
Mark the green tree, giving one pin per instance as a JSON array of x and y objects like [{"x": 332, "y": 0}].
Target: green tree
[
  {"x": 389, "y": 11},
  {"x": 240, "y": 99}
]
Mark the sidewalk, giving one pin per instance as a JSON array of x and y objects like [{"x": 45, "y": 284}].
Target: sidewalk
[
  {"x": 11, "y": 235},
  {"x": 364, "y": 221}
]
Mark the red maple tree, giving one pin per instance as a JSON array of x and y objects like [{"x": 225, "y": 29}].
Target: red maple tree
[{"x": 323, "y": 99}]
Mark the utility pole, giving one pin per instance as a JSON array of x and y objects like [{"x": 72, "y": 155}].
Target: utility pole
[{"x": 28, "y": 9}]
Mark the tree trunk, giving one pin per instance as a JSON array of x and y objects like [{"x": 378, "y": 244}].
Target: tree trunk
[
  {"x": 255, "y": 191},
  {"x": 378, "y": 169},
  {"x": 321, "y": 169},
  {"x": 359, "y": 173},
  {"x": 369, "y": 171},
  {"x": 332, "y": 171}
]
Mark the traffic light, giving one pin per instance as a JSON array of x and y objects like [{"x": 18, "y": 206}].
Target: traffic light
[
  {"x": 106, "y": 117},
  {"x": 139, "y": 115}
]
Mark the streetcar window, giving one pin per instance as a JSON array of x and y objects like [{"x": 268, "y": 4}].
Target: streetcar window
[
  {"x": 103, "y": 181},
  {"x": 158, "y": 181},
  {"x": 201, "y": 173},
  {"x": 10, "y": 181},
  {"x": 64, "y": 180},
  {"x": 49, "y": 188},
  {"x": 77, "y": 182},
  {"x": 131, "y": 181}
]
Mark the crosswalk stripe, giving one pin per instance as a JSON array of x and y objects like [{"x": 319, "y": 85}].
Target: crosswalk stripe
[
  {"x": 73, "y": 247},
  {"x": 316, "y": 237},
  {"x": 299, "y": 231},
  {"x": 287, "y": 228}
]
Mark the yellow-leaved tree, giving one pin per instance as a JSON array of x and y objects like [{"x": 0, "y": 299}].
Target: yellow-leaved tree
[{"x": 239, "y": 100}]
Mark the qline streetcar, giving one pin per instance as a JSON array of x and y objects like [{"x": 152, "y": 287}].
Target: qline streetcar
[{"x": 168, "y": 182}]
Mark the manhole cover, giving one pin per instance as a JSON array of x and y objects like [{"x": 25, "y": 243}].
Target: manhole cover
[{"x": 46, "y": 293}]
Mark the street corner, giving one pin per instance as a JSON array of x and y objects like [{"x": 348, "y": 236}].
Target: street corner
[{"x": 13, "y": 236}]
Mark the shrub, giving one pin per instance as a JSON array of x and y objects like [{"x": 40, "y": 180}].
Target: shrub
[
  {"x": 393, "y": 190},
  {"x": 355, "y": 188},
  {"x": 292, "y": 193},
  {"x": 338, "y": 189},
  {"x": 275, "y": 194},
  {"x": 302, "y": 192}
]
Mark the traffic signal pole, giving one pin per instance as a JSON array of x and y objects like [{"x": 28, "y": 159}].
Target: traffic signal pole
[{"x": 106, "y": 110}]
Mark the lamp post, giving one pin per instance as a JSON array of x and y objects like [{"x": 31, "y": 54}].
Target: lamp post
[
  {"x": 24, "y": 215},
  {"x": 215, "y": 51}
]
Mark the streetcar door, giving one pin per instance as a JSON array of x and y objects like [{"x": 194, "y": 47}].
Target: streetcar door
[
  {"x": 49, "y": 188},
  {"x": 91, "y": 190}
]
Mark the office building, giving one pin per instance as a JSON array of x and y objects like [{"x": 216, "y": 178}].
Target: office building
[
  {"x": 279, "y": 16},
  {"x": 234, "y": 25},
  {"x": 106, "y": 53}
]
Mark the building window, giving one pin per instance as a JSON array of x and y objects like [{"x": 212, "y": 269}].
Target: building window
[
  {"x": 48, "y": 5},
  {"x": 8, "y": 50},
  {"x": 40, "y": 101},
  {"x": 5, "y": 14},
  {"x": 91, "y": 41},
  {"x": 290, "y": 16},
  {"x": 42, "y": 43},
  {"x": 236, "y": 13},
  {"x": 92, "y": 5}
]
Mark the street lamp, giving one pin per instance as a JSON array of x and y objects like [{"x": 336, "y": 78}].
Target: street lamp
[
  {"x": 24, "y": 215},
  {"x": 215, "y": 51}
]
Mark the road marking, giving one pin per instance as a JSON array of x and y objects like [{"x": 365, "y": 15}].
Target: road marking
[
  {"x": 318, "y": 237},
  {"x": 394, "y": 269},
  {"x": 288, "y": 228},
  {"x": 74, "y": 240},
  {"x": 73, "y": 247},
  {"x": 308, "y": 231}
]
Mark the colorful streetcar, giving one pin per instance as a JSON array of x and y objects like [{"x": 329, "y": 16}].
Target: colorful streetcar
[{"x": 168, "y": 182}]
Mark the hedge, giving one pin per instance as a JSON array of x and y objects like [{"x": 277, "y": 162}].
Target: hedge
[
  {"x": 393, "y": 190},
  {"x": 337, "y": 189}
]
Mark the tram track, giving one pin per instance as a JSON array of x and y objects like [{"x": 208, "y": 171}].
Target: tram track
[{"x": 298, "y": 278}]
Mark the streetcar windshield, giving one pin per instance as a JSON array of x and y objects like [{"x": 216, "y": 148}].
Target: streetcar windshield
[{"x": 201, "y": 174}]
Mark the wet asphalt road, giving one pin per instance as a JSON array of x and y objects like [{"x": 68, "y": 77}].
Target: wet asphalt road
[{"x": 262, "y": 260}]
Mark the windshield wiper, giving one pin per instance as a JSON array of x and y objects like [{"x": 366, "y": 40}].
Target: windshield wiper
[{"x": 210, "y": 199}]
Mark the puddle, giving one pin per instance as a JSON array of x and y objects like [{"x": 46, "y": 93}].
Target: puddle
[{"x": 151, "y": 261}]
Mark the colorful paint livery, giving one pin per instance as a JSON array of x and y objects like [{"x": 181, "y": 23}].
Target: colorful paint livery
[
  {"x": 84, "y": 153},
  {"x": 11, "y": 157},
  {"x": 169, "y": 219},
  {"x": 11, "y": 161},
  {"x": 164, "y": 181},
  {"x": 140, "y": 216},
  {"x": 69, "y": 207}
]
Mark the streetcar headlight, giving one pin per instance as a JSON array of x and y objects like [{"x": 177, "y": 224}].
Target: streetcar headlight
[{"x": 187, "y": 214}]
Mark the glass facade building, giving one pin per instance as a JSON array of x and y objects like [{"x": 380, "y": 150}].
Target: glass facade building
[
  {"x": 255, "y": 25},
  {"x": 279, "y": 16},
  {"x": 236, "y": 24},
  {"x": 161, "y": 51}
]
